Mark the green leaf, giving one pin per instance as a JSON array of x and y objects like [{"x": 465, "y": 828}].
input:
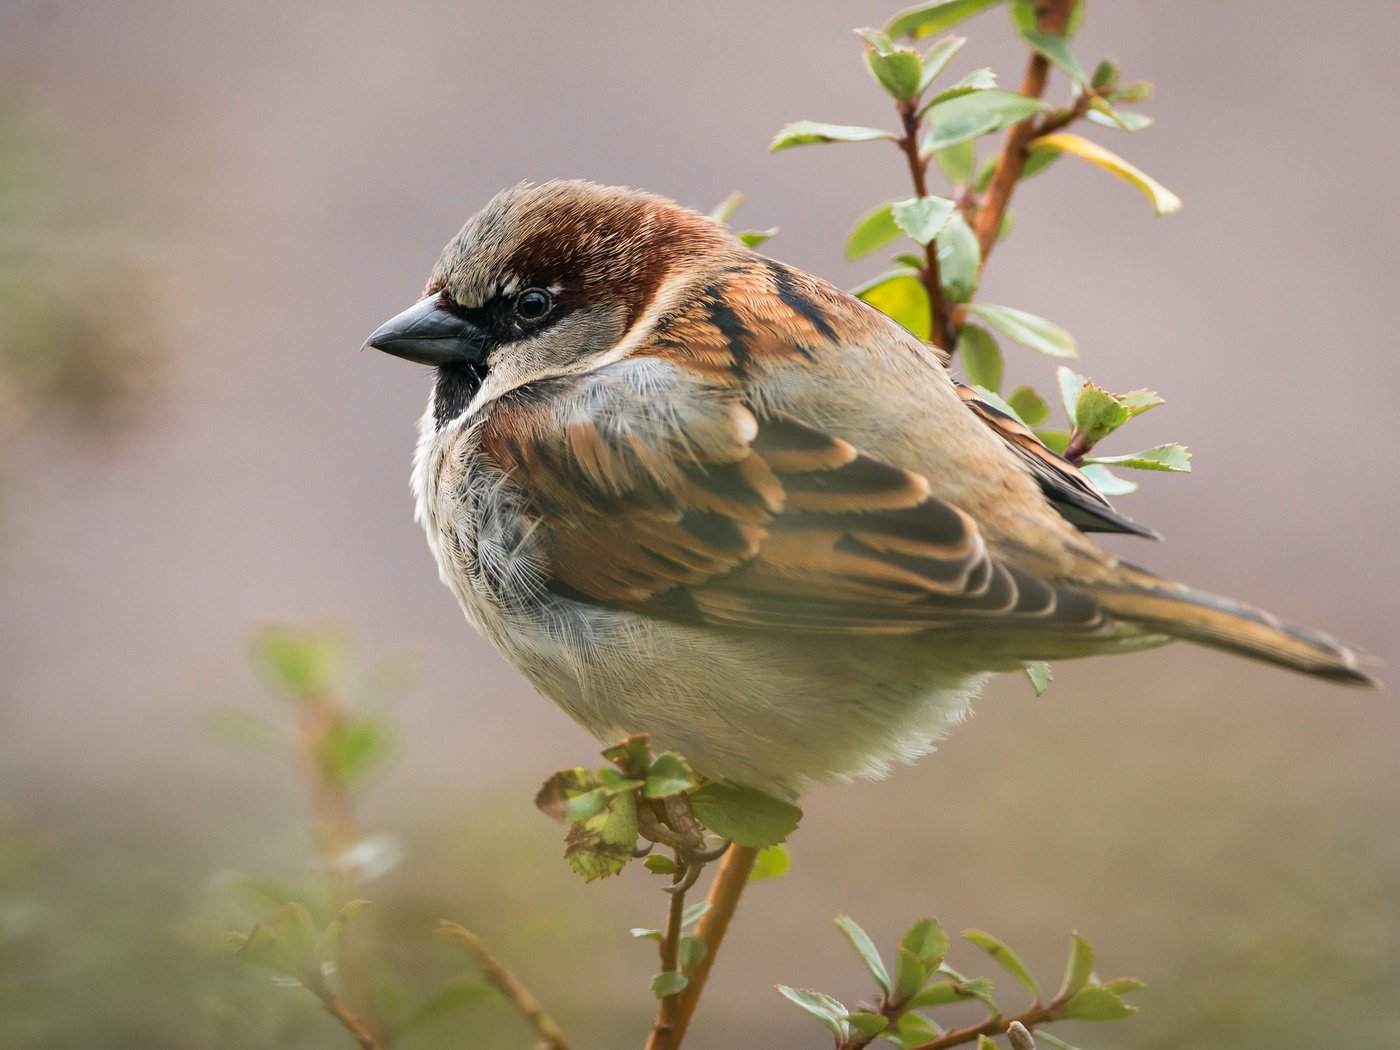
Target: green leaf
[
  {"x": 900, "y": 73},
  {"x": 926, "y": 939},
  {"x": 1163, "y": 200},
  {"x": 981, "y": 357},
  {"x": 998, "y": 402},
  {"x": 670, "y": 774},
  {"x": 958, "y": 162},
  {"x": 1005, "y": 957},
  {"x": 668, "y": 983},
  {"x": 959, "y": 259},
  {"x": 288, "y": 945},
  {"x": 614, "y": 781},
  {"x": 601, "y": 844},
  {"x": 1106, "y": 74},
  {"x": 877, "y": 39},
  {"x": 910, "y": 973},
  {"x": 868, "y": 1024},
  {"x": 1027, "y": 329},
  {"x": 873, "y": 230},
  {"x": 773, "y": 862},
  {"x": 927, "y": 19},
  {"x": 809, "y": 132},
  {"x": 1123, "y": 985},
  {"x": 916, "y": 1029},
  {"x": 1101, "y": 112},
  {"x": 1079, "y": 967},
  {"x": 984, "y": 1042},
  {"x": 824, "y": 1008},
  {"x": 641, "y": 933},
  {"x": 974, "y": 988},
  {"x": 1052, "y": 1042},
  {"x": 694, "y": 913},
  {"x": 581, "y": 807},
  {"x": 301, "y": 663},
  {"x": 1139, "y": 401},
  {"x": 631, "y": 755},
  {"x": 1029, "y": 405},
  {"x": 921, "y": 218},
  {"x": 1107, "y": 482},
  {"x": 1138, "y": 91},
  {"x": 1053, "y": 439},
  {"x": 334, "y": 933},
  {"x": 966, "y": 116},
  {"x": 744, "y": 815},
  {"x": 1038, "y": 674},
  {"x": 937, "y": 57},
  {"x": 690, "y": 951},
  {"x": 940, "y": 994},
  {"x": 1097, "y": 413},
  {"x": 725, "y": 209},
  {"x": 753, "y": 238},
  {"x": 1096, "y": 1004},
  {"x": 354, "y": 746},
  {"x": 1057, "y": 50},
  {"x": 1173, "y": 457},
  {"x": 866, "y": 949},
  {"x": 1070, "y": 384},
  {"x": 903, "y": 297},
  {"x": 1037, "y": 160},
  {"x": 659, "y": 864}
]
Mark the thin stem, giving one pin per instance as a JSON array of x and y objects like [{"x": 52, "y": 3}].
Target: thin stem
[
  {"x": 918, "y": 172},
  {"x": 663, "y": 1032},
  {"x": 724, "y": 896},
  {"x": 346, "y": 1016},
  {"x": 1053, "y": 15},
  {"x": 505, "y": 982}
]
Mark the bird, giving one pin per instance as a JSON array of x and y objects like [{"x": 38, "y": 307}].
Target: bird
[{"x": 693, "y": 492}]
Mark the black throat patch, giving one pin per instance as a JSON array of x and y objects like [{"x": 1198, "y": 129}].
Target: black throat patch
[{"x": 454, "y": 389}]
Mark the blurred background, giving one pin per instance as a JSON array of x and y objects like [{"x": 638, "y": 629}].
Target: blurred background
[{"x": 204, "y": 208}]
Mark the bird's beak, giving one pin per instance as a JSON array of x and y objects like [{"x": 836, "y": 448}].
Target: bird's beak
[{"x": 431, "y": 334}]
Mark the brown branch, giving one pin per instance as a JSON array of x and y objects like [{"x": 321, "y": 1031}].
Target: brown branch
[
  {"x": 663, "y": 1031},
  {"x": 1052, "y": 17},
  {"x": 994, "y": 1026},
  {"x": 940, "y": 331},
  {"x": 342, "y": 1013},
  {"x": 724, "y": 899},
  {"x": 505, "y": 982}
]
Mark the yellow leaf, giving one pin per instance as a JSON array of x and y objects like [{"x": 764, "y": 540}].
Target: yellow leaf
[{"x": 1163, "y": 199}]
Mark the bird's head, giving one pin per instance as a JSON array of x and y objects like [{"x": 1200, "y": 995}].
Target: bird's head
[{"x": 549, "y": 281}]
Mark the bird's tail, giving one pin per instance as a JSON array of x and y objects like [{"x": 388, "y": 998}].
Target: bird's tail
[{"x": 1141, "y": 598}]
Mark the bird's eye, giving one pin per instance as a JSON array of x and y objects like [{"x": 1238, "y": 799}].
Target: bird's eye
[{"x": 533, "y": 303}]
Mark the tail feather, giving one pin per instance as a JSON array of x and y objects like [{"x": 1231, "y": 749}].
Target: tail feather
[{"x": 1224, "y": 623}]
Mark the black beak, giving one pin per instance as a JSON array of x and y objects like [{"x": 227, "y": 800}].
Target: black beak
[{"x": 430, "y": 334}]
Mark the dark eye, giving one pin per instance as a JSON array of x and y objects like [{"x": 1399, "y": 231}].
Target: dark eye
[{"x": 533, "y": 303}]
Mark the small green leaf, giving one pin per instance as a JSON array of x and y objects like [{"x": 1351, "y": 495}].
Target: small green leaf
[
  {"x": 866, "y": 949},
  {"x": 927, "y": 19},
  {"x": 288, "y": 945},
  {"x": 614, "y": 781},
  {"x": 966, "y": 116},
  {"x": 753, "y": 238},
  {"x": 998, "y": 402},
  {"x": 354, "y": 746},
  {"x": 1163, "y": 200},
  {"x": 959, "y": 259},
  {"x": 1057, "y": 50},
  {"x": 942, "y": 993},
  {"x": 694, "y": 913},
  {"x": 581, "y": 807},
  {"x": 873, "y": 230},
  {"x": 1107, "y": 482},
  {"x": 902, "y": 296},
  {"x": 984, "y": 1042},
  {"x": 975, "y": 988},
  {"x": 725, "y": 209},
  {"x": 916, "y": 1029},
  {"x": 601, "y": 844},
  {"x": 1123, "y": 985},
  {"x": 302, "y": 663},
  {"x": 921, "y": 218},
  {"x": 670, "y": 774},
  {"x": 772, "y": 862},
  {"x": 937, "y": 57},
  {"x": 809, "y": 132},
  {"x": 1029, "y": 405},
  {"x": 824, "y": 1008},
  {"x": 877, "y": 39},
  {"x": 1027, "y": 329},
  {"x": 926, "y": 939},
  {"x": 1097, "y": 413},
  {"x": 958, "y": 162},
  {"x": 910, "y": 973},
  {"x": 1106, "y": 74},
  {"x": 1005, "y": 957},
  {"x": 1055, "y": 440},
  {"x": 1039, "y": 675},
  {"x": 641, "y": 933},
  {"x": 899, "y": 72},
  {"x": 1173, "y": 457},
  {"x": 981, "y": 357},
  {"x": 1139, "y": 91},
  {"x": 744, "y": 815},
  {"x": 868, "y": 1024},
  {"x": 1139, "y": 401},
  {"x": 1037, "y": 160},
  {"x": 1101, "y": 112},
  {"x": 1070, "y": 384},
  {"x": 668, "y": 983},
  {"x": 631, "y": 755},
  {"x": 334, "y": 933},
  {"x": 1078, "y": 968},
  {"x": 659, "y": 864},
  {"x": 1096, "y": 1004},
  {"x": 690, "y": 951}
]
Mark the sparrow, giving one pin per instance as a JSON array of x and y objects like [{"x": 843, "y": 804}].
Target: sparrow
[{"x": 693, "y": 492}]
